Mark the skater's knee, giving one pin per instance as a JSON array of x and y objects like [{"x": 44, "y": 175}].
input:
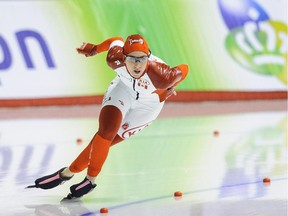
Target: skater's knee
[
  {"x": 109, "y": 122},
  {"x": 108, "y": 133}
]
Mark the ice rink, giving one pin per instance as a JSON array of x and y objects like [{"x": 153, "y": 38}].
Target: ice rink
[{"x": 216, "y": 154}]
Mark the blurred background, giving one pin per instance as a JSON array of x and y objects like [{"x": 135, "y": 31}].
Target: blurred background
[
  {"x": 215, "y": 141},
  {"x": 230, "y": 46}
]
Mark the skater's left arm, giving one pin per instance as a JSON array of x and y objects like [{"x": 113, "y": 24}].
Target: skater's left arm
[
  {"x": 166, "y": 78},
  {"x": 184, "y": 71}
]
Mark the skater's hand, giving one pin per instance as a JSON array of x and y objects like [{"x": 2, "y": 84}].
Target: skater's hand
[
  {"x": 170, "y": 91},
  {"x": 87, "y": 49}
]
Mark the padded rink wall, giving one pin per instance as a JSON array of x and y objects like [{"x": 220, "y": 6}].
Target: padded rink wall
[{"x": 236, "y": 50}]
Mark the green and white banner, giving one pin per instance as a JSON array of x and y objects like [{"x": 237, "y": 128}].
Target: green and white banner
[{"x": 228, "y": 45}]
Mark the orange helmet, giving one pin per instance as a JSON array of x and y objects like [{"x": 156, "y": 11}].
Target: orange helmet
[{"x": 135, "y": 43}]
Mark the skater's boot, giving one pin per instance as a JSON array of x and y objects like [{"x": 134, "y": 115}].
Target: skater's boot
[
  {"x": 80, "y": 189},
  {"x": 51, "y": 181}
]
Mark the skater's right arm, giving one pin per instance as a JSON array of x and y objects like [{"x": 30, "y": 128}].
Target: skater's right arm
[{"x": 89, "y": 49}]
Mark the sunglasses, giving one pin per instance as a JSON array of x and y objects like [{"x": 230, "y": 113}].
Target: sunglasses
[{"x": 136, "y": 59}]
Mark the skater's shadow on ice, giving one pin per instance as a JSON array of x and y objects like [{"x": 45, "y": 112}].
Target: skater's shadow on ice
[{"x": 72, "y": 209}]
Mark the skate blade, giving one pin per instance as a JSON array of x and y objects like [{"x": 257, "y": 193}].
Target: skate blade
[
  {"x": 31, "y": 186},
  {"x": 70, "y": 198}
]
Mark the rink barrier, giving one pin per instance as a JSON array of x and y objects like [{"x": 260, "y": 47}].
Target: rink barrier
[{"x": 182, "y": 96}]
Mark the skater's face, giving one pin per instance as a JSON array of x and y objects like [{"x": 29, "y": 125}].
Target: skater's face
[{"x": 136, "y": 63}]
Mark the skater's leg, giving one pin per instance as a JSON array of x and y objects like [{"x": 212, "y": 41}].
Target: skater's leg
[
  {"x": 109, "y": 122},
  {"x": 81, "y": 162}
]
